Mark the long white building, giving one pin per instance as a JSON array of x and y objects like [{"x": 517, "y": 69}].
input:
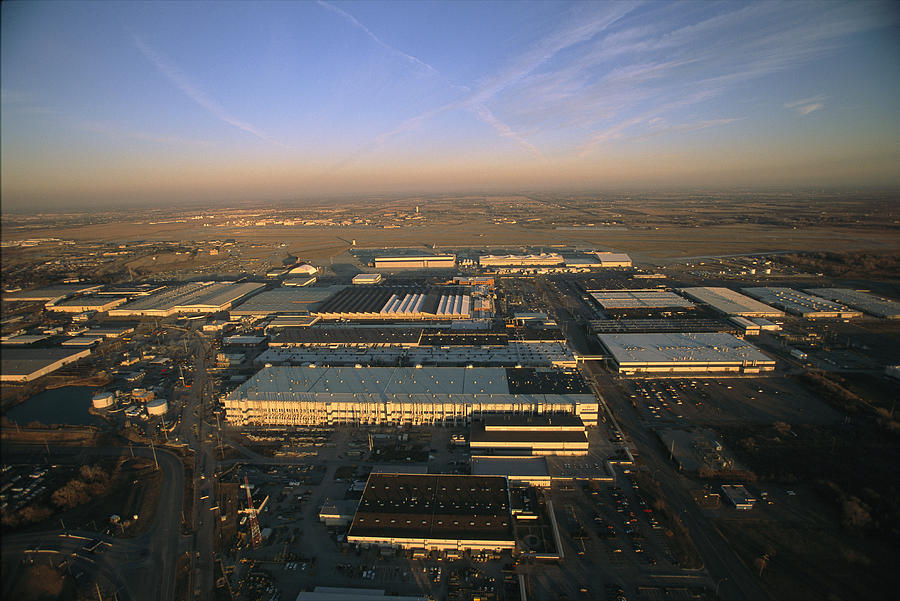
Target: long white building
[
  {"x": 684, "y": 353},
  {"x": 296, "y": 396}
]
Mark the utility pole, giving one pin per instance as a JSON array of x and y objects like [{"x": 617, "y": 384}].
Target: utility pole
[
  {"x": 130, "y": 448},
  {"x": 152, "y": 448},
  {"x": 97, "y": 584}
]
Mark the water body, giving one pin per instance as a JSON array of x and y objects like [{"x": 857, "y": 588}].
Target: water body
[{"x": 64, "y": 406}]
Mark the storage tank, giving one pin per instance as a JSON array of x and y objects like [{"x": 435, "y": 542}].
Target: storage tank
[
  {"x": 142, "y": 395},
  {"x": 157, "y": 407},
  {"x": 103, "y": 400}
]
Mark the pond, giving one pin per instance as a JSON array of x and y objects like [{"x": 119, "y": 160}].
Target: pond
[{"x": 67, "y": 405}]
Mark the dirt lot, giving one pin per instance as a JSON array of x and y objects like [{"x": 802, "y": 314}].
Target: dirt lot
[{"x": 812, "y": 561}]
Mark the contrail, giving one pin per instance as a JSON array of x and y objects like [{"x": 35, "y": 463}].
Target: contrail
[{"x": 181, "y": 81}]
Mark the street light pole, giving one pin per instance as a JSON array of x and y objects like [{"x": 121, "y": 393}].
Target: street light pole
[{"x": 721, "y": 580}]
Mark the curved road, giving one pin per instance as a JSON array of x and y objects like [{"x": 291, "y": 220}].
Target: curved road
[{"x": 142, "y": 568}]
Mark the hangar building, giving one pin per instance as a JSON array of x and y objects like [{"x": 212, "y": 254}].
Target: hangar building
[{"x": 416, "y": 262}]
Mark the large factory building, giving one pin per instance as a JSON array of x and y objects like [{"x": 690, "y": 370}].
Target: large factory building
[
  {"x": 303, "y": 396},
  {"x": 416, "y": 262},
  {"x": 684, "y": 353},
  {"x": 434, "y": 512},
  {"x": 520, "y": 260}
]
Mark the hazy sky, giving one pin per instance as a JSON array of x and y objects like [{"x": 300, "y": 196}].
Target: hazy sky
[{"x": 163, "y": 101}]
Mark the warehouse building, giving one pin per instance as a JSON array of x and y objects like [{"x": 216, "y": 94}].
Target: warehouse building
[
  {"x": 195, "y": 297},
  {"x": 515, "y": 353},
  {"x": 50, "y": 293},
  {"x": 521, "y": 471},
  {"x": 85, "y": 303},
  {"x": 393, "y": 303},
  {"x": 672, "y": 325},
  {"x": 640, "y": 299},
  {"x": 542, "y": 259},
  {"x": 434, "y": 512},
  {"x": 27, "y": 365},
  {"x": 529, "y": 435},
  {"x": 416, "y": 262},
  {"x": 611, "y": 259},
  {"x": 302, "y": 396},
  {"x": 367, "y": 278},
  {"x": 799, "y": 303},
  {"x": 292, "y": 300},
  {"x": 871, "y": 304},
  {"x": 684, "y": 353},
  {"x": 729, "y": 302}
]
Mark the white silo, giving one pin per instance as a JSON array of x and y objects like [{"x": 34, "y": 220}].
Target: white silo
[
  {"x": 157, "y": 407},
  {"x": 103, "y": 400}
]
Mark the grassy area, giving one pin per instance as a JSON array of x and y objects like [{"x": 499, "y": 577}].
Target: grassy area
[
  {"x": 85, "y": 496},
  {"x": 40, "y": 582},
  {"x": 805, "y": 561}
]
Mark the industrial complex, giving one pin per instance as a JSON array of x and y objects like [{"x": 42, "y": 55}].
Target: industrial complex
[{"x": 498, "y": 422}]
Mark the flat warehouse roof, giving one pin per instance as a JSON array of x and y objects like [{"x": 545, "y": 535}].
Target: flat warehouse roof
[
  {"x": 21, "y": 362},
  {"x": 448, "y": 507},
  {"x": 800, "y": 303},
  {"x": 639, "y": 299},
  {"x": 510, "y": 466},
  {"x": 730, "y": 302},
  {"x": 549, "y": 421},
  {"x": 285, "y": 300},
  {"x": 49, "y": 292},
  {"x": 480, "y": 435},
  {"x": 874, "y": 305},
  {"x": 375, "y": 380},
  {"x": 680, "y": 348}
]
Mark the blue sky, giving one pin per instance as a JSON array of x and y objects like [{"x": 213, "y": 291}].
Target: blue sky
[{"x": 164, "y": 101}]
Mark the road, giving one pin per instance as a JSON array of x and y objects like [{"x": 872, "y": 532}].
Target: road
[{"x": 719, "y": 560}]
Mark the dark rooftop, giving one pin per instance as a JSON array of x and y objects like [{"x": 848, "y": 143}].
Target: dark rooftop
[
  {"x": 533, "y": 381},
  {"x": 434, "y": 506}
]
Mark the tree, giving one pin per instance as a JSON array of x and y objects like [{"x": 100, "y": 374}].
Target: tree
[{"x": 855, "y": 514}]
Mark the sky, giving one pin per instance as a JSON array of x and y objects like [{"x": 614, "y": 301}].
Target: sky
[{"x": 162, "y": 102}]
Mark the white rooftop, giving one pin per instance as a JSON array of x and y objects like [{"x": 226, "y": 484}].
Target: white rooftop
[
  {"x": 639, "y": 299},
  {"x": 680, "y": 348},
  {"x": 730, "y": 302}
]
